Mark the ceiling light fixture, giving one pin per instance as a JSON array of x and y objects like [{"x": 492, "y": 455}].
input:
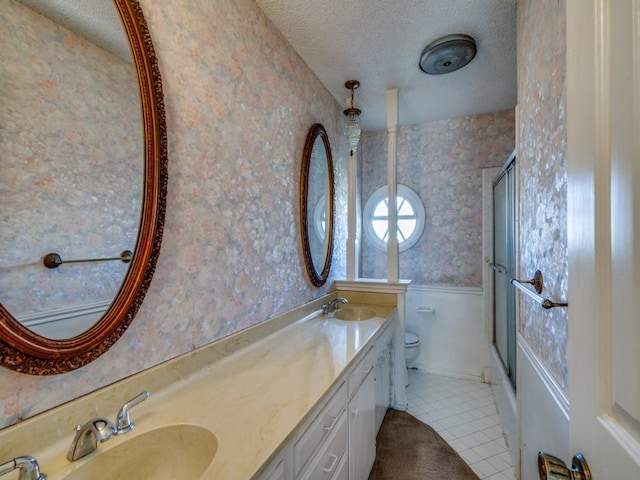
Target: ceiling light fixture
[
  {"x": 447, "y": 54},
  {"x": 352, "y": 127}
]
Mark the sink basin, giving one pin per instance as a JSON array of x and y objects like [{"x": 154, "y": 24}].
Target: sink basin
[
  {"x": 167, "y": 453},
  {"x": 354, "y": 313}
]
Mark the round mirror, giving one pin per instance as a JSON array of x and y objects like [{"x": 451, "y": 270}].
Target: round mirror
[
  {"x": 84, "y": 177},
  {"x": 316, "y": 204}
]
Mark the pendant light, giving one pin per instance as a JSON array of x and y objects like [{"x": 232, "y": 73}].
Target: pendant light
[{"x": 352, "y": 127}]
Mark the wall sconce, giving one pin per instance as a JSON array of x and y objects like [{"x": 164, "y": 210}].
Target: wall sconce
[{"x": 352, "y": 122}]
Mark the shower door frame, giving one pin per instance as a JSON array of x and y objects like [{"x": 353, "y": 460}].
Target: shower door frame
[{"x": 500, "y": 276}]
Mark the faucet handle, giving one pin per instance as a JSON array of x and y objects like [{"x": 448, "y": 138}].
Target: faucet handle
[
  {"x": 123, "y": 420},
  {"x": 29, "y": 468}
]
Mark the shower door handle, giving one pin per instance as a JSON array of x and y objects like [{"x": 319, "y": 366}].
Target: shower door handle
[
  {"x": 552, "y": 468},
  {"x": 498, "y": 268}
]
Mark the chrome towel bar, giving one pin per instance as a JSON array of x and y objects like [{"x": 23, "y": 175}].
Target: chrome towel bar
[
  {"x": 53, "y": 260},
  {"x": 538, "y": 284}
]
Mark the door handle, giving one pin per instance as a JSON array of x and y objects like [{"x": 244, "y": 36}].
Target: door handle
[
  {"x": 498, "y": 268},
  {"x": 552, "y": 468}
]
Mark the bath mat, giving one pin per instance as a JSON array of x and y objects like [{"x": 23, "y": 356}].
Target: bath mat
[{"x": 408, "y": 449}]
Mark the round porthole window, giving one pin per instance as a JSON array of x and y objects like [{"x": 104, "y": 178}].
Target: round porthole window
[{"x": 410, "y": 217}]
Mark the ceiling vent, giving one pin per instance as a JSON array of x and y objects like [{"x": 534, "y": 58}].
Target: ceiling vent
[{"x": 447, "y": 54}]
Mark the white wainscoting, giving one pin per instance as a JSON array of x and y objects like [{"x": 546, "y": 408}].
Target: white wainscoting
[
  {"x": 450, "y": 323},
  {"x": 544, "y": 412},
  {"x": 506, "y": 403},
  {"x": 66, "y": 322}
]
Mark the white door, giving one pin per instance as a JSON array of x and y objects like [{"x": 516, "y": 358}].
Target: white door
[{"x": 603, "y": 173}]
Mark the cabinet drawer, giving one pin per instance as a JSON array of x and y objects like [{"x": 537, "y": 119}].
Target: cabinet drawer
[
  {"x": 342, "y": 471},
  {"x": 329, "y": 460},
  {"x": 322, "y": 426},
  {"x": 361, "y": 371},
  {"x": 275, "y": 472}
]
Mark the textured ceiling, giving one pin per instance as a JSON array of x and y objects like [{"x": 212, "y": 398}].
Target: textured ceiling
[{"x": 379, "y": 42}]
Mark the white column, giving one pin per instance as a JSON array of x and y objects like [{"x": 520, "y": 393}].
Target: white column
[
  {"x": 392, "y": 130},
  {"x": 352, "y": 219}
]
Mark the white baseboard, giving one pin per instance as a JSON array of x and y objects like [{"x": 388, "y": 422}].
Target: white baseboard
[
  {"x": 506, "y": 403},
  {"x": 448, "y": 373}
]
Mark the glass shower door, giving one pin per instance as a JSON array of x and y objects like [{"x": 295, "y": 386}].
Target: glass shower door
[{"x": 504, "y": 265}]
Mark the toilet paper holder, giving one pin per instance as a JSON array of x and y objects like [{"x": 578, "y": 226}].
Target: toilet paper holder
[{"x": 426, "y": 310}]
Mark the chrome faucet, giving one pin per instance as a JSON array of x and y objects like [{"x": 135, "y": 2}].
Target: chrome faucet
[
  {"x": 100, "y": 430},
  {"x": 87, "y": 437},
  {"x": 29, "y": 469},
  {"x": 332, "y": 306}
]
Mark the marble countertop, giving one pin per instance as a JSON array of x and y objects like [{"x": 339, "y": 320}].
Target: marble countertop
[{"x": 252, "y": 400}]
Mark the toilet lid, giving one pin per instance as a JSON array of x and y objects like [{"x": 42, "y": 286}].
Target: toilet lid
[{"x": 410, "y": 339}]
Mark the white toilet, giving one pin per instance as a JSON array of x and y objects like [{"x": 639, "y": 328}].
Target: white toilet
[{"x": 411, "y": 347}]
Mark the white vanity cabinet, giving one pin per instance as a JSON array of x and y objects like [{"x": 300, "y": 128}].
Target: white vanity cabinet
[
  {"x": 383, "y": 374},
  {"x": 337, "y": 442},
  {"x": 362, "y": 427},
  {"x": 320, "y": 448},
  {"x": 278, "y": 470}
]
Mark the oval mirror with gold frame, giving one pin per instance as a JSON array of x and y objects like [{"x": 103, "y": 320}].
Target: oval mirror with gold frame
[
  {"x": 23, "y": 350},
  {"x": 316, "y": 205}
]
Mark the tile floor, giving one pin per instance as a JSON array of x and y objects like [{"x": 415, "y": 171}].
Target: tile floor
[{"x": 464, "y": 413}]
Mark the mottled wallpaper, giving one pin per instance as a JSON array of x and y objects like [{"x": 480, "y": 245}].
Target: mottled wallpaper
[
  {"x": 543, "y": 182},
  {"x": 72, "y": 164},
  {"x": 442, "y": 162},
  {"x": 239, "y": 103}
]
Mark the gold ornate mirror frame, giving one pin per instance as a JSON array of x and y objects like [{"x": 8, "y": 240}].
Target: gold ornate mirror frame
[
  {"x": 23, "y": 350},
  {"x": 317, "y": 278}
]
